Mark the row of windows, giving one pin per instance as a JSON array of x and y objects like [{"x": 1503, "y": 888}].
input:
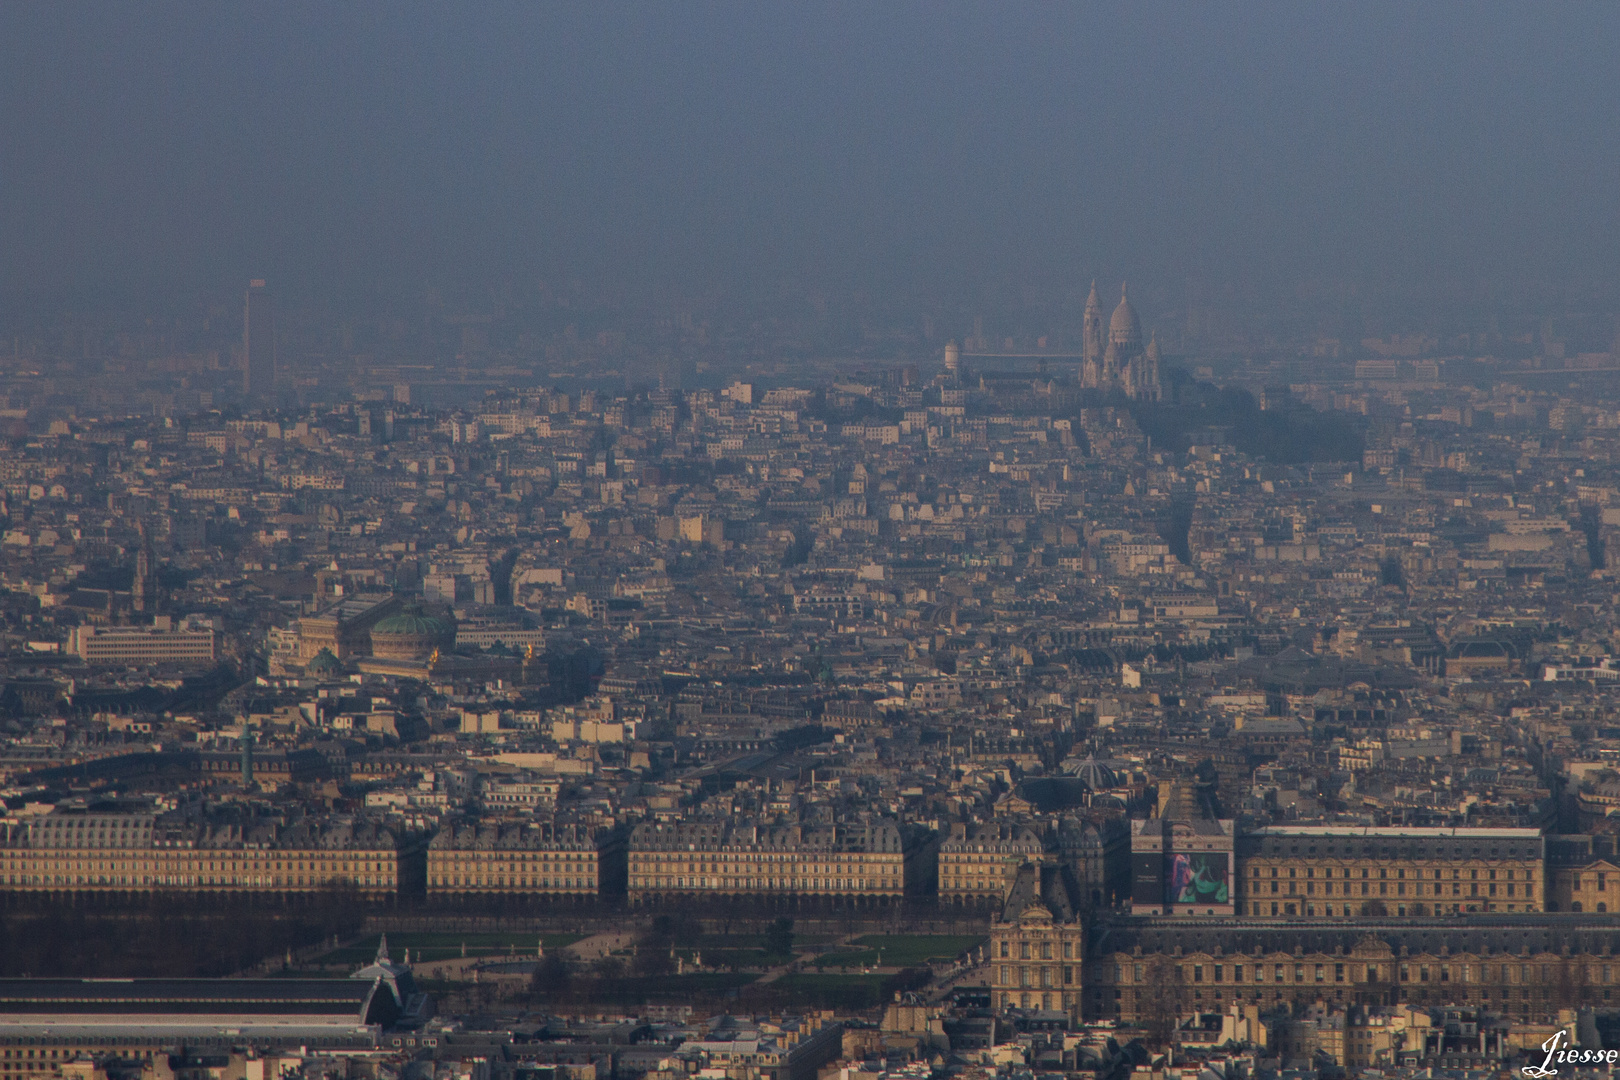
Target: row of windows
[
  {"x": 1438, "y": 888},
  {"x": 701, "y": 882},
  {"x": 1503, "y": 997},
  {"x": 280, "y": 881},
  {"x": 1401, "y": 852},
  {"x": 184, "y": 867},
  {"x": 1376, "y": 908},
  {"x": 155, "y": 859},
  {"x": 475, "y": 863},
  {"x": 136, "y": 1040},
  {"x": 502, "y": 881},
  {"x": 1035, "y": 976},
  {"x": 1298, "y": 973},
  {"x": 712, "y": 859},
  {"x": 1027, "y": 950},
  {"x": 191, "y": 866},
  {"x": 1400, "y": 873},
  {"x": 197, "y": 652},
  {"x": 893, "y": 870}
]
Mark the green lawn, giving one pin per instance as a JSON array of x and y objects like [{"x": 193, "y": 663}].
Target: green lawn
[
  {"x": 901, "y": 950},
  {"x": 745, "y": 941},
  {"x": 857, "y": 958},
  {"x": 742, "y": 950},
  {"x": 446, "y": 946},
  {"x": 718, "y": 957}
]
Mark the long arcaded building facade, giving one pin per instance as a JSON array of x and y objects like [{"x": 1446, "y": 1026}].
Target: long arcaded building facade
[
  {"x": 76, "y": 851},
  {"x": 1528, "y": 967}
]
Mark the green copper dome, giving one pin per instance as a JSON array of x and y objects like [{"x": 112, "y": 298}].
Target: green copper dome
[
  {"x": 412, "y": 624},
  {"x": 411, "y": 634}
]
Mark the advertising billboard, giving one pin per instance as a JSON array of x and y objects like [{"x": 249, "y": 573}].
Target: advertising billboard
[
  {"x": 1199, "y": 877},
  {"x": 1147, "y": 878}
]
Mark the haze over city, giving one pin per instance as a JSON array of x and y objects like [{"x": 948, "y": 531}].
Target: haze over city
[
  {"x": 809, "y": 542},
  {"x": 905, "y": 150}
]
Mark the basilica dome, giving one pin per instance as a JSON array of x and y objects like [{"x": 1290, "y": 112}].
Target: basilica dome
[{"x": 1124, "y": 328}]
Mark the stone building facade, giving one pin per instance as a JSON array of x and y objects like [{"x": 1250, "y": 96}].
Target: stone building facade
[
  {"x": 515, "y": 858},
  {"x": 1583, "y": 874},
  {"x": 1353, "y": 872},
  {"x": 71, "y": 851},
  {"x": 978, "y": 863},
  {"x": 1038, "y": 944},
  {"x": 1522, "y": 968},
  {"x": 879, "y": 860}
]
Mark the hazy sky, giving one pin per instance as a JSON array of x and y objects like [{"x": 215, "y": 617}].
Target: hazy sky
[{"x": 173, "y": 146}]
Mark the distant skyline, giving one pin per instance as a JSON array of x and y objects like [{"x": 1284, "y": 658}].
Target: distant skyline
[{"x": 917, "y": 150}]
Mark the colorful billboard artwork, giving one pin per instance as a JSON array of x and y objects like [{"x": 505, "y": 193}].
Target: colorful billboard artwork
[{"x": 1198, "y": 878}]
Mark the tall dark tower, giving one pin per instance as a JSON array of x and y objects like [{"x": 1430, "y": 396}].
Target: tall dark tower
[{"x": 258, "y": 343}]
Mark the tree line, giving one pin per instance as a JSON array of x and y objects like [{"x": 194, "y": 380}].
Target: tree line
[{"x": 167, "y": 936}]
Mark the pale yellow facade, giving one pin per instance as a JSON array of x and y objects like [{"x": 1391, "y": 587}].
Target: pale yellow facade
[
  {"x": 1037, "y": 963},
  {"x": 1345, "y": 873},
  {"x": 739, "y": 870},
  {"x": 980, "y": 865},
  {"x": 191, "y": 868},
  {"x": 490, "y": 871},
  {"x": 1133, "y": 987},
  {"x": 1593, "y": 888}
]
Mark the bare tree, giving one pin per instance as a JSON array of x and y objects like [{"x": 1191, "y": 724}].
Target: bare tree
[
  {"x": 1567, "y": 987},
  {"x": 1161, "y": 1011}
]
